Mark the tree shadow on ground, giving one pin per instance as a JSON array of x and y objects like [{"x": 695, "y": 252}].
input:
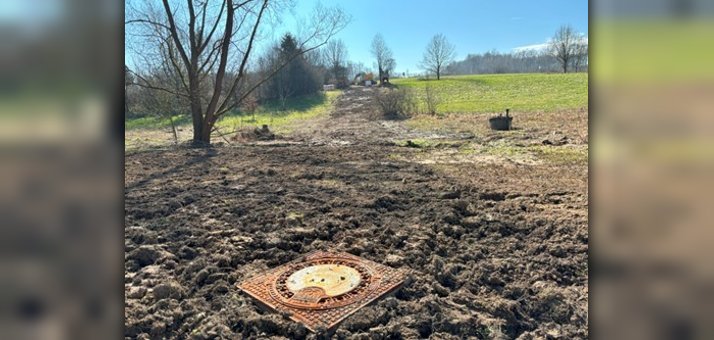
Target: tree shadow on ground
[{"x": 203, "y": 154}]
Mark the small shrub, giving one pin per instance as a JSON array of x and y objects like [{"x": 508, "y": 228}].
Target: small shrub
[
  {"x": 431, "y": 99},
  {"x": 395, "y": 103}
]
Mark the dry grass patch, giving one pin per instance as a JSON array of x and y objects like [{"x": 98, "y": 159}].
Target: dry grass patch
[{"x": 572, "y": 124}]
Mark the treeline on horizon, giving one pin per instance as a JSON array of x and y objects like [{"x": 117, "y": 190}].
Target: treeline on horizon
[{"x": 494, "y": 62}]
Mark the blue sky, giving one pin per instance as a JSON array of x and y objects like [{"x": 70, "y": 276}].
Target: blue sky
[{"x": 473, "y": 26}]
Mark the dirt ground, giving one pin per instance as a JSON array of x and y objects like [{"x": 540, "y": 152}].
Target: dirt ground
[{"x": 495, "y": 243}]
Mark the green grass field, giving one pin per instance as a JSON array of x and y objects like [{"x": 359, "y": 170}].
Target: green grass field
[
  {"x": 490, "y": 93},
  {"x": 270, "y": 113}
]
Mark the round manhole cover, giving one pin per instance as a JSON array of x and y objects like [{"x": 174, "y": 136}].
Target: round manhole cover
[
  {"x": 325, "y": 282},
  {"x": 334, "y": 280}
]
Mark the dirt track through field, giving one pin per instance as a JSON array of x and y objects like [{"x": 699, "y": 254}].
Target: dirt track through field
[{"x": 493, "y": 251}]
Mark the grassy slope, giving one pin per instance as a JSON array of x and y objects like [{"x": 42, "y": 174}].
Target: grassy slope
[
  {"x": 496, "y": 92},
  {"x": 270, "y": 113}
]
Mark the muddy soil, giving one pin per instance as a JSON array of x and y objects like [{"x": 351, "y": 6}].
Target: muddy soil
[{"x": 489, "y": 256}]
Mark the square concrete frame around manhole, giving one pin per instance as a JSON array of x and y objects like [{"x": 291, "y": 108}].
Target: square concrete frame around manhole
[{"x": 322, "y": 288}]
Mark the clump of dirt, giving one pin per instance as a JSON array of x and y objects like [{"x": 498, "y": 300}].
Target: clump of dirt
[
  {"x": 257, "y": 134},
  {"x": 556, "y": 139}
]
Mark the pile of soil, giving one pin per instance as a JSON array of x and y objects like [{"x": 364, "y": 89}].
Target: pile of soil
[
  {"x": 486, "y": 259},
  {"x": 257, "y": 134}
]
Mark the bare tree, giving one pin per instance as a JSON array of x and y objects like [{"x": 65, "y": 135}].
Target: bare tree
[
  {"x": 383, "y": 54},
  {"x": 284, "y": 90},
  {"x": 335, "y": 56},
  {"x": 200, "y": 39},
  {"x": 580, "y": 57},
  {"x": 563, "y": 44},
  {"x": 439, "y": 52}
]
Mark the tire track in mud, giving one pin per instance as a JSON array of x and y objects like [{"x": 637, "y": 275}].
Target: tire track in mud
[{"x": 356, "y": 120}]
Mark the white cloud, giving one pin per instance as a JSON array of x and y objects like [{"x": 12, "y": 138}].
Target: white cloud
[
  {"x": 542, "y": 46},
  {"x": 536, "y": 47}
]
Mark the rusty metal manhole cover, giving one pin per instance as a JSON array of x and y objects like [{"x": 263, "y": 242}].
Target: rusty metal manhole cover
[{"x": 322, "y": 288}]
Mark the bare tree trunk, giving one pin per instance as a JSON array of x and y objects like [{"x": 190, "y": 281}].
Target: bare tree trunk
[
  {"x": 206, "y": 132},
  {"x": 201, "y": 132},
  {"x": 197, "y": 119}
]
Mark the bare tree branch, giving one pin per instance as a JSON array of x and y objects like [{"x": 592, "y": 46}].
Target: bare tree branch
[
  {"x": 174, "y": 34},
  {"x": 202, "y": 46},
  {"x": 225, "y": 46},
  {"x": 147, "y": 84},
  {"x": 146, "y": 21},
  {"x": 244, "y": 62}
]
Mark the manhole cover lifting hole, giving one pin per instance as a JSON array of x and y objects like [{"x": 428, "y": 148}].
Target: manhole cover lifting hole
[{"x": 323, "y": 288}]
